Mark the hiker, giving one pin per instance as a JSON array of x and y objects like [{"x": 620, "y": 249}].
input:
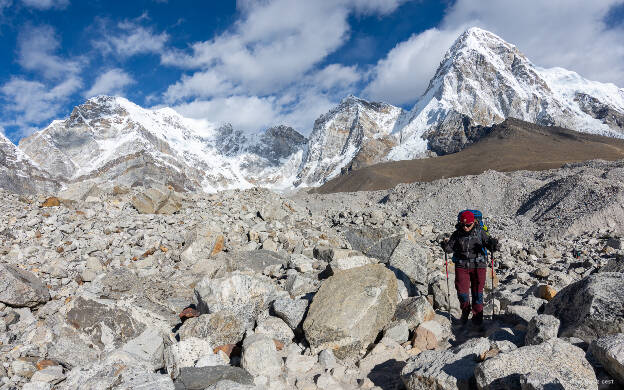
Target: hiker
[{"x": 468, "y": 243}]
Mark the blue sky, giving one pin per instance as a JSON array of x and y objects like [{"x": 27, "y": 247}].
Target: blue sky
[{"x": 257, "y": 63}]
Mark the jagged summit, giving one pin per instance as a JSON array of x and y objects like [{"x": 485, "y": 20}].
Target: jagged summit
[{"x": 483, "y": 79}]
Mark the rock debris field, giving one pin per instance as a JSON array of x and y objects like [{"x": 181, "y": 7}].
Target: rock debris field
[{"x": 145, "y": 288}]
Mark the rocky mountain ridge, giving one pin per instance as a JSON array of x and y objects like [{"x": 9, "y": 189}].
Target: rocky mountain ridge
[{"x": 481, "y": 81}]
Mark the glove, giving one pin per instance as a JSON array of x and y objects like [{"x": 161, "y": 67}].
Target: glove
[
  {"x": 444, "y": 243},
  {"x": 496, "y": 246}
]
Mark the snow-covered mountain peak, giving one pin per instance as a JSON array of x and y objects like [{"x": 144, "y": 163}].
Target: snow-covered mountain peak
[{"x": 482, "y": 80}]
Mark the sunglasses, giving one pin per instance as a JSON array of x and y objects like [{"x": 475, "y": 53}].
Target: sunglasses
[{"x": 467, "y": 224}]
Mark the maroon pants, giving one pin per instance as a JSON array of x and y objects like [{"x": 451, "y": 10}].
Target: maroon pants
[{"x": 470, "y": 280}]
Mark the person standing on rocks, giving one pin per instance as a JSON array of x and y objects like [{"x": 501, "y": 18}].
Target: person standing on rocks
[{"x": 468, "y": 243}]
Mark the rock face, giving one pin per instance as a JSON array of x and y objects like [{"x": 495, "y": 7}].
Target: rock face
[
  {"x": 354, "y": 134},
  {"x": 452, "y": 369},
  {"x": 591, "y": 307},
  {"x": 19, "y": 174},
  {"x": 350, "y": 308},
  {"x": 21, "y": 288},
  {"x": 609, "y": 351},
  {"x": 555, "y": 358}
]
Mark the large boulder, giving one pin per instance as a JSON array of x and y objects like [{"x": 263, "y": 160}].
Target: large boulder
[
  {"x": 609, "y": 351},
  {"x": 409, "y": 262},
  {"x": 541, "y": 328},
  {"x": 217, "y": 328},
  {"x": 20, "y": 288},
  {"x": 157, "y": 201},
  {"x": 201, "y": 243},
  {"x": 554, "y": 358},
  {"x": 350, "y": 309},
  {"x": 591, "y": 307},
  {"x": 199, "y": 378},
  {"x": 107, "y": 326},
  {"x": 445, "y": 370},
  {"x": 377, "y": 243},
  {"x": 80, "y": 191},
  {"x": 260, "y": 356},
  {"x": 255, "y": 261},
  {"x": 239, "y": 294}
]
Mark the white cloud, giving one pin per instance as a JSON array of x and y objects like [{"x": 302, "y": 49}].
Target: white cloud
[
  {"x": 111, "y": 82},
  {"x": 566, "y": 33},
  {"x": 246, "y": 113},
  {"x": 336, "y": 76},
  {"x": 46, "y": 4},
  {"x": 129, "y": 38},
  {"x": 36, "y": 47},
  {"x": 265, "y": 70},
  {"x": 30, "y": 102},
  {"x": 274, "y": 44}
]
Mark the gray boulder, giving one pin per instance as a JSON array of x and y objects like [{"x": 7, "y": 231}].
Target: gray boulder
[
  {"x": 260, "y": 356},
  {"x": 290, "y": 310},
  {"x": 201, "y": 243},
  {"x": 541, "y": 328},
  {"x": 80, "y": 191},
  {"x": 414, "y": 310},
  {"x": 377, "y": 243},
  {"x": 591, "y": 307},
  {"x": 217, "y": 328},
  {"x": 445, "y": 370},
  {"x": 106, "y": 326},
  {"x": 409, "y": 263},
  {"x": 242, "y": 295},
  {"x": 555, "y": 358},
  {"x": 157, "y": 201},
  {"x": 609, "y": 351},
  {"x": 350, "y": 309},
  {"x": 255, "y": 261},
  {"x": 539, "y": 381},
  {"x": 199, "y": 378},
  {"x": 21, "y": 288}
]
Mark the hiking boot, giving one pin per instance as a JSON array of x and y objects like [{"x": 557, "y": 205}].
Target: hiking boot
[
  {"x": 463, "y": 320},
  {"x": 477, "y": 319}
]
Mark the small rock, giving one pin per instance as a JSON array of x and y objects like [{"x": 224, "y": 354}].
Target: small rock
[{"x": 541, "y": 328}]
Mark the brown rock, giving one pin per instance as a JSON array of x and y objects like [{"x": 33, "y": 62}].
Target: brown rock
[
  {"x": 189, "y": 312},
  {"x": 546, "y": 292},
  {"x": 45, "y": 364},
  {"x": 218, "y": 246},
  {"x": 52, "y": 201},
  {"x": 278, "y": 345},
  {"x": 59, "y": 249},
  {"x": 488, "y": 354},
  {"x": 424, "y": 339},
  {"x": 226, "y": 348}
]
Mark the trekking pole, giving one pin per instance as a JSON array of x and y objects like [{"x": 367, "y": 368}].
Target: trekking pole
[
  {"x": 492, "y": 290},
  {"x": 448, "y": 291}
]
